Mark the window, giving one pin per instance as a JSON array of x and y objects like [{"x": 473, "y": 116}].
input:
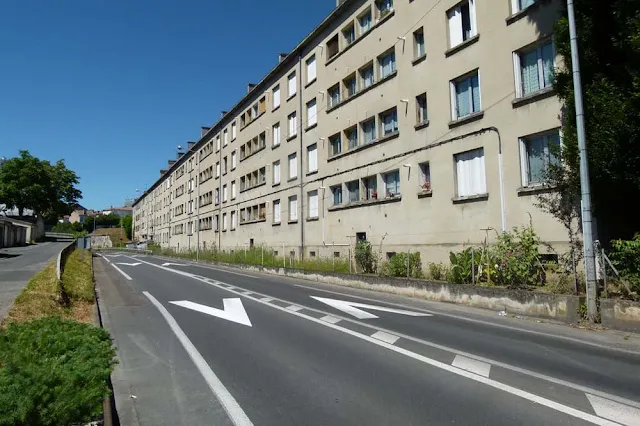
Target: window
[
  {"x": 384, "y": 7},
  {"x": 368, "y": 130},
  {"x": 233, "y": 220},
  {"x": 389, "y": 122},
  {"x": 234, "y": 131},
  {"x": 275, "y": 96},
  {"x": 336, "y": 192},
  {"x": 226, "y": 137},
  {"x": 462, "y": 22},
  {"x": 224, "y": 221},
  {"x": 537, "y": 152},
  {"x": 293, "y": 166},
  {"x": 335, "y": 143},
  {"x": 276, "y": 134},
  {"x": 465, "y": 96},
  {"x": 392, "y": 183},
  {"x": 351, "y": 135},
  {"x": 370, "y": 186},
  {"x": 418, "y": 43},
  {"x": 350, "y": 87},
  {"x": 534, "y": 69},
  {"x": 470, "y": 174},
  {"x": 364, "y": 21},
  {"x": 224, "y": 165},
  {"x": 349, "y": 34},
  {"x": 292, "y": 84},
  {"x": 293, "y": 208},
  {"x": 332, "y": 47},
  {"x": 425, "y": 177},
  {"x": 366, "y": 76},
  {"x": 387, "y": 63},
  {"x": 313, "y": 204},
  {"x": 311, "y": 69},
  {"x": 276, "y": 172},
  {"x": 421, "y": 108},
  {"x": 233, "y": 160},
  {"x": 217, "y": 143},
  {"x": 312, "y": 112},
  {"x": 217, "y": 223},
  {"x": 254, "y": 112},
  {"x": 217, "y": 169},
  {"x": 233, "y": 189},
  {"x": 224, "y": 193},
  {"x": 518, "y": 5},
  {"x": 312, "y": 158},
  {"x": 293, "y": 128},
  {"x": 217, "y": 192},
  {"x": 353, "y": 189},
  {"x": 334, "y": 95},
  {"x": 276, "y": 211}
]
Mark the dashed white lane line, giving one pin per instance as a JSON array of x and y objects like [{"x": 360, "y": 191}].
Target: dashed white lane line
[
  {"x": 472, "y": 365},
  {"x": 267, "y": 299},
  {"x": 385, "y": 337},
  {"x": 330, "y": 319},
  {"x": 247, "y": 293},
  {"x": 623, "y": 414},
  {"x": 118, "y": 269},
  {"x": 294, "y": 308}
]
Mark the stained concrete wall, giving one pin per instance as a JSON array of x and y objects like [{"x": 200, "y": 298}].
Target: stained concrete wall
[{"x": 620, "y": 314}]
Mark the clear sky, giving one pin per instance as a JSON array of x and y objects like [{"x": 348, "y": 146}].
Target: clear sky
[{"x": 113, "y": 86}]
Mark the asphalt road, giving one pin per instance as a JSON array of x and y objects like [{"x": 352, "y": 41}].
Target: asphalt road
[
  {"x": 19, "y": 264},
  {"x": 200, "y": 345}
]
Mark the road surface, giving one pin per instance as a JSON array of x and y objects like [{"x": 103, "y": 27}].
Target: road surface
[{"x": 207, "y": 345}]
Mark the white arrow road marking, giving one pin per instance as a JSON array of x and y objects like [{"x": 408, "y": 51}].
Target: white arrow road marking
[
  {"x": 233, "y": 310},
  {"x": 351, "y": 308},
  {"x": 129, "y": 264},
  {"x": 615, "y": 411},
  {"x": 173, "y": 264}
]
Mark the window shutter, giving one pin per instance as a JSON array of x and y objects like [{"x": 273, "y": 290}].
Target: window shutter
[
  {"x": 313, "y": 158},
  {"x": 276, "y": 97},
  {"x": 292, "y": 84},
  {"x": 311, "y": 69},
  {"x": 276, "y": 211},
  {"x": 472, "y": 17},
  {"x": 293, "y": 167},
  {"x": 312, "y": 114},
  {"x": 455, "y": 26},
  {"x": 313, "y": 204}
]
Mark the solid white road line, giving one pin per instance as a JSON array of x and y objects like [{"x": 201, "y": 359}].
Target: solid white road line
[
  {"x": 330, "y": 319},
  {"x": 247, "y": 293},
  {"x": 485, "y": 380},
  {"x": 230, "y": 405},
  {"x": 623, "y": 414},
  {"x": 478, "y": 367},
  {"x": 294, "y": 308},
  {"x": 267, "y": 299},
  {"x": 118, "y": 269},
  {"x": 385, "y": 337}
]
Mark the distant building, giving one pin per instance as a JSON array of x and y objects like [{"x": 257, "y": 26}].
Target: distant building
[
  {"x": 120, "y": 211},
  {"x": 79, "y": 215}
]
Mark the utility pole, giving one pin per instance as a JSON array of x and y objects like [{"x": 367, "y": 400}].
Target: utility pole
[{"x": 585, "y": 187}]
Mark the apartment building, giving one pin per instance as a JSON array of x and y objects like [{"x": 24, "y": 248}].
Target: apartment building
[{"x": 419, "y": 125}]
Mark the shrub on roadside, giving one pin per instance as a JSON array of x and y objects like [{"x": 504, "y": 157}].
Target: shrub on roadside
[
  {"x": 365, "y": 258},
  {"x": 625, "y": 256},
  {"x": 461, "y": 266},
  {"x": 403, "y": 265},
  {"x": 437, "y": 271},
  {"x": 53, "y": 372}
]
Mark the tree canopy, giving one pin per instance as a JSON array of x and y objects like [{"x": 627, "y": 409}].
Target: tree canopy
[
  {"x": 609, "y": 48},
  {"x": 27, "y": 182}
]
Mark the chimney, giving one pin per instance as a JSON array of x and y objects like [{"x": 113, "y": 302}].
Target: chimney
[
  {"x": 180, "y": 154},
  {"x": 162, "y": 172},
  {"x": 250, "y": 87},
  {"x": 223, "y": 113},
  {"x": 204, "y": 130},
  {"x": 190, "y": 145},
  {"x": 281, "y": 56}
]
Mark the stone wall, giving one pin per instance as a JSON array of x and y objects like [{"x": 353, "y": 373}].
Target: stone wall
[
  {"x": 101, "y": 241},
  {"x": 620, "y": 314}
]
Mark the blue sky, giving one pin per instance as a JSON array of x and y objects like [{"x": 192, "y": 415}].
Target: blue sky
[{"x": 113, "y": 86}]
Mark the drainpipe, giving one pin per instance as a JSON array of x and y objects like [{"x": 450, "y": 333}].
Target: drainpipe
[
  {"x": 301, "y": 171},
  {"x": 503, "y": 212}
]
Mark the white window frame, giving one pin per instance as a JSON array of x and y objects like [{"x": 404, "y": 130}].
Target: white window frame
[
  {"x": 233, "y": 220},
  {"x": 224, "y": 221},
  {"x": 293, "y": 208},
  {"x": 275, "y": 96},
  {"x": 524, "y": 166},
  {"x": 454, "y": 97},
  {"x": 225, "y": 138},
  {"x": 234, "y": 191},
  {"x": 312, "y": 112},
  {"x": 311, "y": 69},
  {"x": 292, "y": 85},
  {"x": 217, "y": 169},
  {"x": 275, "y": 133},
  {"x": 458, "y": 183},
  {"x": 293, "y": 124},
  {"x": 517, "y": 7},
  {"x": 276, "y": 172},
  {"x": 312, "y": 204},
  {"x": 234, "y": 131},
  {"x": 292, "y": 161},
  {"x": 224, "y": 193},
  {"x": 276, "y": 211},
  {"x": 454, "y": 18},
  {"x": 233, "y": 159},
  {"x": 312, "y": 158},
  {"x": 517, "y": 66}
]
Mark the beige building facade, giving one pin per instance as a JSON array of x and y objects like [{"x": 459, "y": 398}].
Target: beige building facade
[{"x": 419, "y": 125}]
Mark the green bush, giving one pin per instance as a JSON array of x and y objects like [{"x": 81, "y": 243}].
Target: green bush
[
  {"x": 403, "y": 265},
  {"x": 365, "y": 258},
  {"x": 461, "y": 266},
  {"x": 53, "y": 372},
  {"x": 625, "y": 256},
  {"x": 437, "y": 271},
  {"x": 517, "y": 259}
]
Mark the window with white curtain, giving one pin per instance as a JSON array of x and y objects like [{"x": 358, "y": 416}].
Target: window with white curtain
[
  {"x": 293, "y": 166},
  {"x": 311, "y": 69},
  {"x": 276, "y": 211},
  {"x": 233, "y": 160},
  {"x": 312, "y": 112},
  {"x": 470, "y": 173},
  {"x": 276, "y": 96},
  {"x": 293, "y": 125},
  {"x": 387, "y": 62},
  {"x": 226, "y": 137},
  {"x": 217, "y": 169},
  {"x": 217, "y": 143},
  {"x": 234, "y": 130},
  {"x": 224, "y": 193},
  {"x": 534, "y": 69},
  {"x": 389, "y": 122},
  {"x": 276, "y": 172},
  {"x": 233, "y": 189},
  {"x": 291, "y": 80},
  {"x": 392, "y": 183},
  {"x": 462, "y": 22},
  {"x": 465, "y": 96},
  {"x": 293, "y": 207},
  {"x": 233, "y": 220},
  {"x": 313, "y": 204},
  {"x": 312, "y": 158},
  {"x": 536, "y": 153},
  {"x": 224, "y": 221},
  {"x": 276, "y": 134},
  {"x": 518, "y": 5}
]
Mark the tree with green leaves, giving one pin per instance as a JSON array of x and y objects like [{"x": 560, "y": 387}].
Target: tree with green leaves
[
  {"x": 609, "y": 48},
  {"x": 127, "y": 224},
  {"x": 27, "y": 182}
]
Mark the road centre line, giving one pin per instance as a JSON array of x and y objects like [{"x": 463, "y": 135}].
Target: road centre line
[
  {"x": 437, "y": 364},
  {"x": 228, "y": 402}
]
